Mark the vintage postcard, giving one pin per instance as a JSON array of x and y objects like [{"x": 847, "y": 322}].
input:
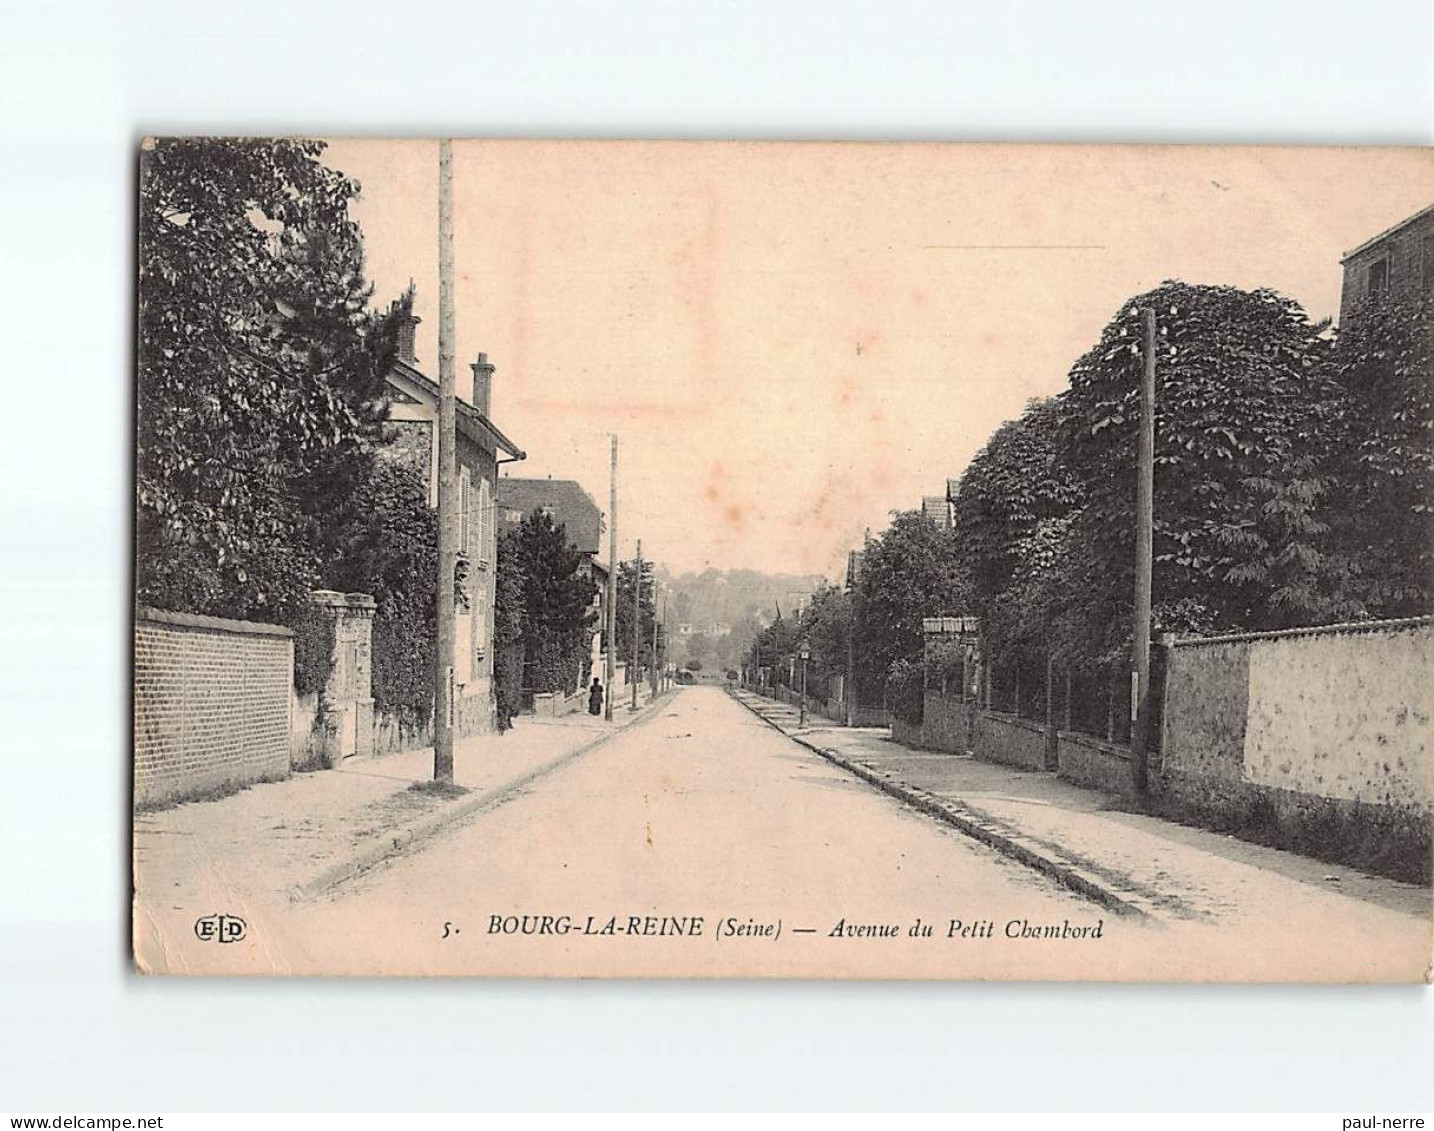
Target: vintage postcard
[{"x": 764, "y": 560}]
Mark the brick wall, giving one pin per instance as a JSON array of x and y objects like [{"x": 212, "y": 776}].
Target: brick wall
[{"x": 211, "y": 704}]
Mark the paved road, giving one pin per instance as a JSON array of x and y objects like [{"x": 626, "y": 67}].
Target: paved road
[{"x": 702, "y": 813}]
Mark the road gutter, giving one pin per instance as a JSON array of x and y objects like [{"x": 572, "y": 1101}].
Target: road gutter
[
  {"x": 406, "y": 840},
  {"x": 982, "y": 827}
]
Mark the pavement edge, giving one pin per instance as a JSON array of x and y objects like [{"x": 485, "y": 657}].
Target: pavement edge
[
  {"x": 977, "y": 825},
  {"x": 401, "y": 841}
]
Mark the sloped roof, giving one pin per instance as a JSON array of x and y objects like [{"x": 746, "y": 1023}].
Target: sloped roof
[
  {"x": 1384, "y": 235},
  {"x": 573, "y": 508},
  {"x": 470, "y": 421}
]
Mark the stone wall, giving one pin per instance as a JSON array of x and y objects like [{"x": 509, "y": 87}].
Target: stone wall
[
  {"x": 1405, "y": 254},
  {"x": 944, "y": 722},
  {"x": 908, "y": 734},
  {"x": 1094, "y": 762},
  {"x": 1001, "y": 737},
  {"x": 211, "y": 704},
  {"x": 1322, "y": 732}
]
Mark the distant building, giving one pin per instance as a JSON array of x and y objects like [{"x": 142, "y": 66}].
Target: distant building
[
  {"x": 573, "y": 510},
  {"x": 567, "y": 504},
  {"x": 853, "y": 568},
  {"x": 411, "y": 437},
  {"x": 1398, "y": 262},
  {"x": 937, "y": 509}
]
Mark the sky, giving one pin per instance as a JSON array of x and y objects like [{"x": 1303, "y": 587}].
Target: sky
[{"x": 791, "y": 341}]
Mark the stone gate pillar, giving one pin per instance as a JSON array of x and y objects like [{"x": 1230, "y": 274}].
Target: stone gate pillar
[{"x": 349, "y": 691}]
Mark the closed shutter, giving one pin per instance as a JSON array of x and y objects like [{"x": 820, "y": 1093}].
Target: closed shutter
[
  {"x": 465, "y": 506},
  {"x": 485, "y": 522}
]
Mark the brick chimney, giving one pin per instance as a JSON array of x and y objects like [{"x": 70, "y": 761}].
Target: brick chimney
[
  {"x": 407, "y": 330},
  {"x": 483, "y": 385}
]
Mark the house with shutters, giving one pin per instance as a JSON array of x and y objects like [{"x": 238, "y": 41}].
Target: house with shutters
[{"x": 411, "y": 435}]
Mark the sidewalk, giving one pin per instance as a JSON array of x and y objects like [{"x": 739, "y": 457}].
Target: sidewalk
[
  {"x": 1167, "y": 870},
  {"x": 279, "y": 840}
]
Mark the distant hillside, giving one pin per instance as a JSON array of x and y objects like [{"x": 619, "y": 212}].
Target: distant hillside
[{"x": 740, "y": 600}]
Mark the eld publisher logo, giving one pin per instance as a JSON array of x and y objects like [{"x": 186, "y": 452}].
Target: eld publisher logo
[{"x": 220, "y": 928}]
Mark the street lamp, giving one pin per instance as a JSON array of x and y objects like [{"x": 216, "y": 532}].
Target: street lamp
[{"x": 802, "y": 714}]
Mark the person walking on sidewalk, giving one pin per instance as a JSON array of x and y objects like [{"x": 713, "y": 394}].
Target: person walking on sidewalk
[{"x": 595, "y": 698}]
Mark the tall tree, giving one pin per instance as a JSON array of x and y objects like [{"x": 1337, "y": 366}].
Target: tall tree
[
  {"x": 260, "y": 374},
  {"x": 910, "y": 572},
  {"x": 1245, "y": 416},
  {"x": 1382, "y": 359},
  {"x": 1011, "y": 497},
  {"x": 824, "y": 626},
  {"x": 556, "y": 602},
  {"x": 626, "y": 580}
]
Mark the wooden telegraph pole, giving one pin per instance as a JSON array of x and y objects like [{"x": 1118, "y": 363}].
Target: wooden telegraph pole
[
  {"x": 610, "y": 664},
  {"x": 447, "y": 513},
  {"x": 662, "y": 682},
  {"x": 652, "y": 676},
  {"x": 636, "y": 625},
  {"x": 1144, "y": 549}
]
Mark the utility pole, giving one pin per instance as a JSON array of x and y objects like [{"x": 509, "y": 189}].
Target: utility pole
[
  {"x": 850, "y": 686},
  {"x": 447, "y": 511},
  {"x": 1144, "y": 523},
  {"x": 610, "y": 665},
  {"x": 802, "y": 713},
  {"x": 652, "y": 678},
  {"x": 662, "y": 684},
  {"x": 636, "y": 624}
]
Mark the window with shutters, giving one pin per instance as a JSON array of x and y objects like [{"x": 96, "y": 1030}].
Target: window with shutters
[
  {"x": 482, "y": 621},
  {"x": 485, "y": 522},
  {"x": 465, "y": 507}
]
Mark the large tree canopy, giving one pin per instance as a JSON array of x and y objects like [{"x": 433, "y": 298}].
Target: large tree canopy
[
  {"x": 260, "y": 373},
  {"x": 1008, "y": 497},
  {"x": 1382, "y": 359},
  {"x": 1246, "y": 414},
  {"x": 911, "y": 571},
  {"x": 556, "y": 602}
]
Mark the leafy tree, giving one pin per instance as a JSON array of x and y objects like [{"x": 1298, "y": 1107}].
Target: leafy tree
[
  {"x": 1245, "y": 417},
  {"x": 1008, "y": 496},
  {"x": 647, "y": 588},
  {"x": 825, "y": 625},
  {"x": 260, "y": 375},
  {"x": 910, "y": 572},
  {"x": 556, "y": 603},
  {"x": 772, "y": 646},
  {"x": 387, "y": 546},
  {"x": 1386, "y": 515},
  {"x": 698, "y": 648},
  {"x": 905, "y": 691},
  {"x": 508, "y": 613}
]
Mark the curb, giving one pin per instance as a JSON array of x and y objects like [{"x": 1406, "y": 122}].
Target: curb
[
  {"x": 982, "y": 827},
  {"x": 402, "y": 840}
]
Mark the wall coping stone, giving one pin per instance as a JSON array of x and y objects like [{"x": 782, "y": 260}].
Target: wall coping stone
[
  {"x": 1079, "y": 738},
  {"x": 1014, "y": 720},
  {"x": 211, "y": 624},
  {"x": 354, "y": 602},
  {"x": 1286, "y": 633}
]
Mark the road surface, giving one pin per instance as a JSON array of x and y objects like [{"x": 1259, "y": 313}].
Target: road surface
[{"x": 700, "y": 842}]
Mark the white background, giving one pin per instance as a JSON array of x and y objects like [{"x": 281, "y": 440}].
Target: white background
[{"x": 82, "y": 82}]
